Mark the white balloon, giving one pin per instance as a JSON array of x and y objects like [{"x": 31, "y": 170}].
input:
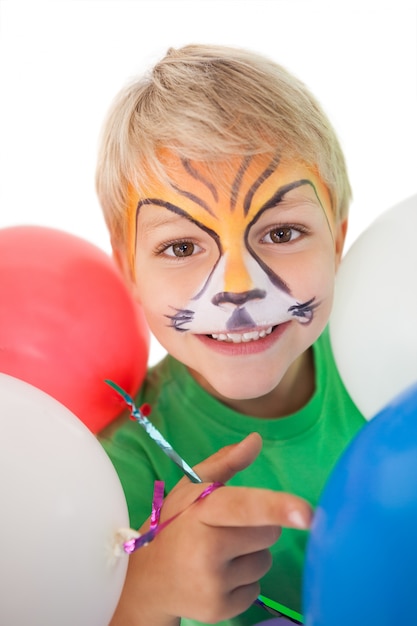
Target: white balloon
[
  {"x": 61, "y": 507},
  {"x": 373, "y": 327}
]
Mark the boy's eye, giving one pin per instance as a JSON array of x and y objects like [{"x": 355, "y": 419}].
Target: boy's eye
[
  {"x": 182, "y": 249},
  {"x": 283, "y": 234}
]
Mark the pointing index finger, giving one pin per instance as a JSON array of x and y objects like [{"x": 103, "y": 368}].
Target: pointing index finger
[{"x": 246, "y": 506}]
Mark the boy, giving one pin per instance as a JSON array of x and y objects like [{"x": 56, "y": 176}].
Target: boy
[{"x": 225, "y": 192}]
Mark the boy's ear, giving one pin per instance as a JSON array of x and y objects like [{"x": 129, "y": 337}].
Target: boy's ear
[
  {"x": 339, "y": 240},
  {"x": 125, "y": 269}
]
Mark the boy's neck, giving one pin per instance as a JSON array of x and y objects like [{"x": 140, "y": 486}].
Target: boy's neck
[{"x": 292, "y": 393}]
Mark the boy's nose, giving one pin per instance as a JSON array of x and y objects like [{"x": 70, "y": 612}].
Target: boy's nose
[
  {"x": 237, "y": 299},
  {"x": 237, "y": 277}
]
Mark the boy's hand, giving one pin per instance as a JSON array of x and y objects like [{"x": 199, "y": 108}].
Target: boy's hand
[{"x": 206, "y": 564}]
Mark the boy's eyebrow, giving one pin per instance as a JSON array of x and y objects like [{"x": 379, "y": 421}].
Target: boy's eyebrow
[
  {"x": 279, "y": 194},
  {"x": 157, "y": 220},
  {"x": 173, "y": 208}
]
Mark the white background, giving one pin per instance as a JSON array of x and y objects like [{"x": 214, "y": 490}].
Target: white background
[{"x": 62, "y": 62}]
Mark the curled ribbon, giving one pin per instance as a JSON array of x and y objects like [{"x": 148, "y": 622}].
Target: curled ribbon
[
  {"x": 136, "y": 541},
  {"x": 155, "y": 527}
]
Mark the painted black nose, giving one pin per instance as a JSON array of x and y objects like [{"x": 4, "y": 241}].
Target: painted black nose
[{"x": 238, "y": 299}]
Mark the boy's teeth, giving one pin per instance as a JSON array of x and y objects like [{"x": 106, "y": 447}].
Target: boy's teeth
[{"x": 242, "y": 337}]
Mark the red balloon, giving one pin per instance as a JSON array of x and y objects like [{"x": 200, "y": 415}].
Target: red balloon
[{"x": 68, "y": 322}]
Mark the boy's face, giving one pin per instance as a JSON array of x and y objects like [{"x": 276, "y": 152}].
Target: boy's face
[{"x": 236, "y": 276}]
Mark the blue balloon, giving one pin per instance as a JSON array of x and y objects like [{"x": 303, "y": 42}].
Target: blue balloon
[{"x": 361, "y": 561}]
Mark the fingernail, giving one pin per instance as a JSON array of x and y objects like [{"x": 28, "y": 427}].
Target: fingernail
[{"x": 298, "y": 520}]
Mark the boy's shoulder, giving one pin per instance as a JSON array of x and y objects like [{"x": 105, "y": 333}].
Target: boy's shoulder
[{"x": 339, "y": 410}]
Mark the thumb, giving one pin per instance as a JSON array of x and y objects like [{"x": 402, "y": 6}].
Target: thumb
[{"x": 225, "y": 463}]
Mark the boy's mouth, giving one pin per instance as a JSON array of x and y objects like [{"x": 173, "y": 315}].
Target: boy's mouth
[
  {"x": 246, "y": 342},
  {"x": 243, "y": 337}
]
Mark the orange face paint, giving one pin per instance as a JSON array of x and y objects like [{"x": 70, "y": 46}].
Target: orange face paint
[{"x": 228, "y": 206}]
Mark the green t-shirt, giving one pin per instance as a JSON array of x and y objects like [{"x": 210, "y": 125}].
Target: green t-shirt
[{"x": 298, "y": 454}]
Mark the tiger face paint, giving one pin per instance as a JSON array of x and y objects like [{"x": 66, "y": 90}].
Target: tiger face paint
[{"x": 229, "y": 268}]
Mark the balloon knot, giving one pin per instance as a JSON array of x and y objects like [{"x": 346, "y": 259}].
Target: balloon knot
[{"x": 123, "y": 537}]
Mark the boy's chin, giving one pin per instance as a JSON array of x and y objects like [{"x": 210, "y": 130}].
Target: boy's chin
[{"x": 239, "y": 386}]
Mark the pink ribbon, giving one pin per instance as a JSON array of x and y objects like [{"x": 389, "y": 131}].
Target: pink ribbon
[{"x": 155, "y": 527}]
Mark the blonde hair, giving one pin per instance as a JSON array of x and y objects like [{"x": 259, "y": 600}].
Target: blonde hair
[{"x": 209, "y": 103}]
